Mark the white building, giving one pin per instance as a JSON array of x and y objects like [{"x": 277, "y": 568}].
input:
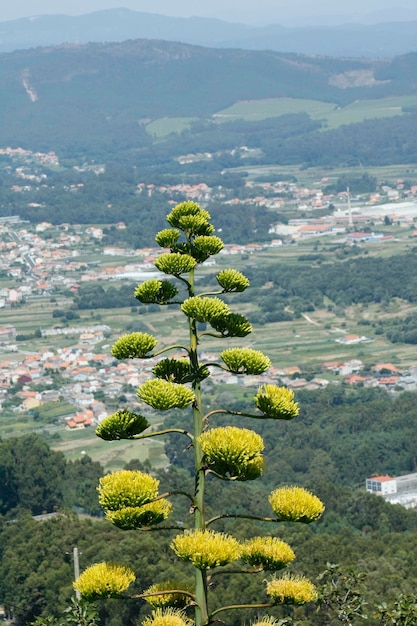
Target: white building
[{"x": 399, "y": 490}]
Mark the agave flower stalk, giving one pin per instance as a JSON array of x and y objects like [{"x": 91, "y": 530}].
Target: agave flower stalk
[{"x": 132, "y": 500}]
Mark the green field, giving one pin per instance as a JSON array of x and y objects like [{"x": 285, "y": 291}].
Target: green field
[
  {"x": 167, "y": 125},
  {"x": 111, "y": 454},
  {"x": 332, "y": 114}
]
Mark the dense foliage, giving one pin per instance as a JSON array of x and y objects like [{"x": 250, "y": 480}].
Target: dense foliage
[
  {"x": 38, "y": 480},
  {"x": 354, "y": 281}
]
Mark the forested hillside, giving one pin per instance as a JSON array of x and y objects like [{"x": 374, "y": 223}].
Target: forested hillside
[
  {"x": 91, "y": 98},
  {"x": 341, "y": 437}
]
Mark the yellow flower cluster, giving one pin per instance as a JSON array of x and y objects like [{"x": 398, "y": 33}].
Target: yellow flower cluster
[
  {"x": 167, "y": 617},
  {"x": 295, "y": 504},
  {"x": 276, "y": 402},
  {"x": 232, "y": 280},
  {"x": 291, "y": 590},
  {"x": 189, "y": 217},
  {"x": 205, "y": 246},
  {"x": 155, "y": 291},
  {"x": 206, "y": 549},
  {"x": 233, "y": 452},
  {"x": 167, "y": 238},
  {"x": 204, "y": 309},
  {"x": 149, "y": 514},
  {"x": 133, "y": 346},
  {"x": 174, "y": 600},
  {"x": 245, "y": 361},
  {"x": 175, "y": 263},
  {"x": 268, "y": 553},
  {"x": 104, "y": 580},
  {"x": 164, "y": 395},
  {"x": 126, "y": 488},
  {"x": 127, "y": 497}
]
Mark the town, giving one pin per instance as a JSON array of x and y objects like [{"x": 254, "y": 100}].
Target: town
[{"x": 46, "y": 262}]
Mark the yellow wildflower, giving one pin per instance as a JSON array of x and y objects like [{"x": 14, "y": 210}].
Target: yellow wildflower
[
  {"x": 276, "y": 402},
  {"x": 167, "y": 617},
  {"x": 104, "y": 580},
  {"x": 291, "y": 590},
  {"x": 126, "y": 488},
  {"x": 149, "y": 514},
  {"x": 175, "y": 600},
  {"x": 206, "y": 549},
  {"x": 268, "y": 553},
  {"x": 233, "y": 452},
  {"x": 295, "y": 504}
]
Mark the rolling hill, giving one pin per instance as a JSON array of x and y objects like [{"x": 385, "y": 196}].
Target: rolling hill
[{"x": 80, "y": 97}]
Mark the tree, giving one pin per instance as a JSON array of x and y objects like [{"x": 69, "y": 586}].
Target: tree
[
  {"x": 131, "y": 498},
  {"x": 31, "y": 475}
]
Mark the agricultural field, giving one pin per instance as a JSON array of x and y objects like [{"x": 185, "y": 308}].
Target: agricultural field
[
  {"x": 332, "y": 114},
  {"x": 167, "y": 125}
]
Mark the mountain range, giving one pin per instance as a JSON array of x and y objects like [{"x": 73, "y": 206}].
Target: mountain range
[
  {"x": 115, "y": 25},
  {"x": 73, "y": 95}
]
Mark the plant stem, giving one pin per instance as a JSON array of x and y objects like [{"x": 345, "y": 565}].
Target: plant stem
[{"x": 201, "y": 617}]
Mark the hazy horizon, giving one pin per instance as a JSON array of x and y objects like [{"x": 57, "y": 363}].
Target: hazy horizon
[{"x": 300, "y": 12}]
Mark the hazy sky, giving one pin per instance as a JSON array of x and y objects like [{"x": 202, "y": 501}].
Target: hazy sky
[{"x": 258, "y": 12}]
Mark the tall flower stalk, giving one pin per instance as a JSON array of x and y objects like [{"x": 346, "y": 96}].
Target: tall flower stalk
[{"x": 132, "y": 500}]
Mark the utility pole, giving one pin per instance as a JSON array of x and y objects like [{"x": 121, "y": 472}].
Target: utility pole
[{"x": 76, "y": 570}]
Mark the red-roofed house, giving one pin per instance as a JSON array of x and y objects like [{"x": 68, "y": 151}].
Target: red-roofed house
[{"x": 381, "y": 485}]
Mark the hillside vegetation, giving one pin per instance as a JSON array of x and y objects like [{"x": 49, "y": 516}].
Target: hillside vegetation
[{"x": 93, "y": 98}]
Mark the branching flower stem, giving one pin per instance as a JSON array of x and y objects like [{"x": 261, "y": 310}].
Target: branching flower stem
[
  {"x": 266, "y": 605},
  {"x": 169, "y": 349},
  {"x": 162, "y": 593},
  {"x": 259, "y": 518},
  {"x": 157, "y": 433},
  {"x": 177, "y": 492},
  {"x": 238, "y": 413}
]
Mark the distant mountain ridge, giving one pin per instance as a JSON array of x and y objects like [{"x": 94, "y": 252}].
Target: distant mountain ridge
[
  {"x": 386, "y": 39},
  {"x": 79, "y": 97}
]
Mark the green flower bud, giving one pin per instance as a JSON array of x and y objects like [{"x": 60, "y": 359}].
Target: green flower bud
[
  {"x": 295, "y": 504},
  {"x": 131, "y": 518},
  {"x": 276, "y": 402},
  {"x": 164, "y": 395},
  {"x": 233, "y": 452},
  {"x": 291, "y": 590},
  {"x": 232, "y": 280},
  {"x": 175, "y": 263},
  {"x": 121, "y": 425},
  {"x": 104, "y": 580},
  {"x": 206, "y": 246},
  {"x": 126, "y": 488},
  {"x": 133, "y": 346},
  {"x": 206, "y": 549},
  {"x": 204, "y": 309},
  {"x": 245, "y": 361},
  {"x": 190, "y": 218},
  {"x": 232, "y": 325},
  {"x": 268, "y": 553},
  {"x": 167, "y": 238},
  {"x": 178, "y": 371},
  {"x": 155, "y": 291}
]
